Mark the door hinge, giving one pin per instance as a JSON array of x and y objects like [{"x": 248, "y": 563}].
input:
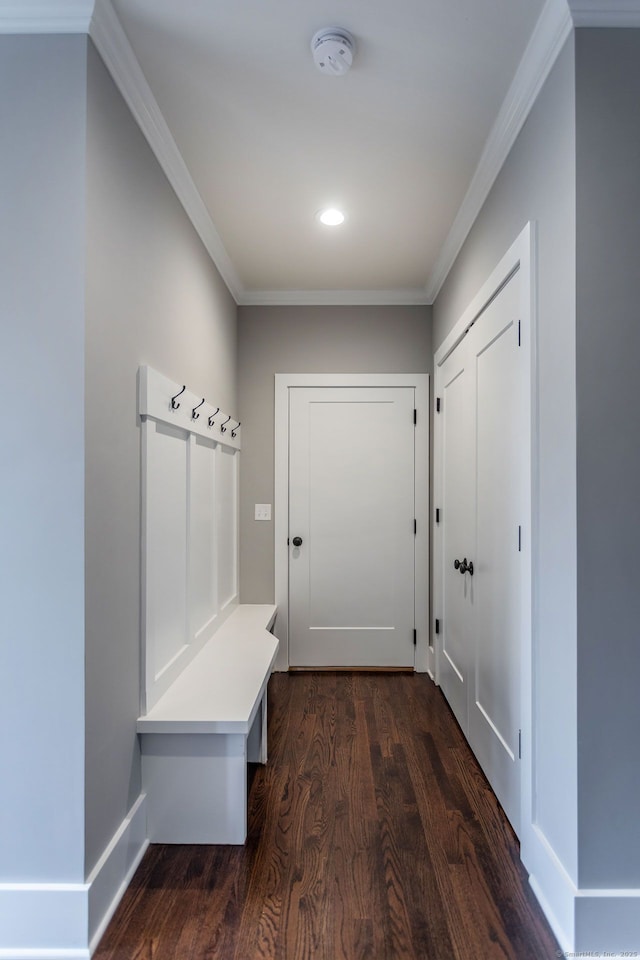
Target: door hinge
[
  {"x": 519, "y": 744},
  {"x": 415, "y": 416},
  {"x": 519, "y": 539},
  {"x": 437, "y": 625},
  {"x": 288, "y": 541},
  {"x": 437, "y": 514},
  {"x": 519, "y": 335},
  {"x": 415, "y": 526},
  {"x": 415, "y": 637},
  {"x": 437, "y": 404}
]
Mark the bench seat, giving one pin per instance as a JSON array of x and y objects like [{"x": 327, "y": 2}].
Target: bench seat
[{"x": 198, "y": 738}]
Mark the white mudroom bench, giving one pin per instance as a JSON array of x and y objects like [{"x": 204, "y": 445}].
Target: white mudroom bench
[{"x": 197, "y": 739}]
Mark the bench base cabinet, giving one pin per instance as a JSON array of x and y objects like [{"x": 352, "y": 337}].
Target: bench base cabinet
[
  {"x": 197, "y": 740},
  {"x": 196, "y": 783}
]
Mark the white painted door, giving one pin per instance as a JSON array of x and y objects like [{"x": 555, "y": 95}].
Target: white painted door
[
  {"x": 484, "y": 463},
  {"x": 352, "y": 507},
  {"x": 458, "y": 520}
]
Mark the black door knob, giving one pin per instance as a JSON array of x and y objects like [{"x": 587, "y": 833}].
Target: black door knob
[
  {"x": 297, "y": 541},
  {"x": 463, "y": 566}
]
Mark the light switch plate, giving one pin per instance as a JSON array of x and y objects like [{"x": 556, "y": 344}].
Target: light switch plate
[{"x": 263, "y": 511}]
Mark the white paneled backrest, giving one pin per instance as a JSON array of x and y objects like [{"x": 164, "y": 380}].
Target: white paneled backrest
[
  {"x": 203, "y": 565},
  {"x": 166, "y": 546},
  {"x": 189, "y": 527},
  {"x": 227, "y": 526}
]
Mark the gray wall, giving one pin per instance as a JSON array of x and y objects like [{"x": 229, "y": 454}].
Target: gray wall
[
  {"x": 537, "y": 183},
  {"x": 608, "y": 362},
  {"x": 306, "y": 340},
  {"x": 42, "y": 118},
  {"x": 153, "y": 296}
]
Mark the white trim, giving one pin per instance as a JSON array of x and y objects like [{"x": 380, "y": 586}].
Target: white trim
[
  {"x": 519, "y": 254},
  {"x": 607, "y": 921},
  {"x": 71, "y": 16},
  {"x": 44, "y": 921},
  {"x": 117, "y": 53},
  {"x": 410, "y": 297},
  {"x": 547, "y": 40},
  {"x": 154, "y": 400},
  {"x": 46, "y": 953},
  {"x": 64, "y": 921},
  {"x": 554, "y": 889},
  {"x": 589, "y": 920},
  {"x": 114, "y": 870},
  {"x": 605, "y": 13},
  {"x": 283, "y": 383},
  {"x": 281, "y": 517}
]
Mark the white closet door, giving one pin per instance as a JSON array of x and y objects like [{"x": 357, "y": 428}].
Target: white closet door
[
  {"x": 458, "y": 519},
  {"x": 484, "y": 455},
  {"x": 499, "y": 429},
  {"x": 351, "y": 502}
]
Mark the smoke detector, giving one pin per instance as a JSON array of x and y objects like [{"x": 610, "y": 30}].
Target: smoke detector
[{"x": 332, "y": 49}]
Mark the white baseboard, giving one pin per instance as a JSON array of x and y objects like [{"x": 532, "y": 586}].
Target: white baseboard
[
  {"x": 552, "y": 885},
  {"x": 64, "y": 921},
  {"x": 608, "y": 922},
  {"x": 45, "y": 954},
  {"x": 44, "y": 921},
  {"x": 114, "y": 870},
  {"x": 585, "y": 922}
]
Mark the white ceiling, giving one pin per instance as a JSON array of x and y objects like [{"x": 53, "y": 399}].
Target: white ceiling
[
  {"x": 254, "y": 140},
  {"x": 268, "y": 140}
]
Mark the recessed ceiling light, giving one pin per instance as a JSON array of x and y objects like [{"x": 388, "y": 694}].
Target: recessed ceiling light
[{"x": 331, "y": 217}]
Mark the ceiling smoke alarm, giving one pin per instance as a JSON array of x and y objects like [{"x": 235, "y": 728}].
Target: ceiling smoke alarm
[{"x": 332, "y": 49}]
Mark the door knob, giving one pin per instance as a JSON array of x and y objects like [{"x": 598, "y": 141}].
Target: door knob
[
  {"x": 297, "y": 541},
  {"x": 463, "y": 566}
]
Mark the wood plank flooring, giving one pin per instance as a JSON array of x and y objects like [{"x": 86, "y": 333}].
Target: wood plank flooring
[{"x": 373, "y": 835}]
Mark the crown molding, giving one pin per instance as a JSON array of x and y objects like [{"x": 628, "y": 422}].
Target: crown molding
[
  {"x": 547, "y": 40},
  {"x": 333, "y": 298},
  {"x": 605, "y": 13},
  {"x": 117, "y": 53},
  {"x": 31, "y": 16}
]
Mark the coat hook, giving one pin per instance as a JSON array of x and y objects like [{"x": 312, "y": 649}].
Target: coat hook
[
  {"x": 235, "y": 430},
  {"x": 174, "y": 405},
  {"x": 210, "y": 421},
  {"x": 223, "y": 429},
  {"x": 194, "y": 415}
]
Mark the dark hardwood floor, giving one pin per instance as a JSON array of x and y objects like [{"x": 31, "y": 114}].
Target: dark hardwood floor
[{"x": 372, "y": 835}]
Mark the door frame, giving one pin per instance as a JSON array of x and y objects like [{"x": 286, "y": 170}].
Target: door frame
[
  {"x": 520, "y": 256},
  {"x": 284, "y": 382}
]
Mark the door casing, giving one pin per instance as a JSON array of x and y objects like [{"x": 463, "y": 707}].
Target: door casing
[{"x": 284, "y": 382}]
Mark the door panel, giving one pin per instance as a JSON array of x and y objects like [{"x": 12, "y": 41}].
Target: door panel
[
  {"x": 494, "y": 708},
  {"x": 351, "y": 499},
  {"x": 458, "y": 518}
]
